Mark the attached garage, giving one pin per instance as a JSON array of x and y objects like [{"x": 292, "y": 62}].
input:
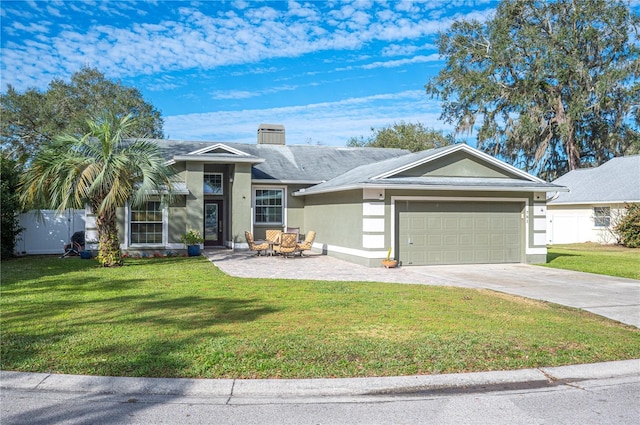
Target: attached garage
[
  {"x": 450, "y": 205},
  {"x": 453, "y": 232}
]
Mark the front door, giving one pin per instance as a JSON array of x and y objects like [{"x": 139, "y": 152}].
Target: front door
[{"x": 213, "y": 223}]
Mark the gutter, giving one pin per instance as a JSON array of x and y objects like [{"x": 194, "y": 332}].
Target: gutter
[
  {"x": 214, "y": 160},
  {"x": 303, "y": 192}
]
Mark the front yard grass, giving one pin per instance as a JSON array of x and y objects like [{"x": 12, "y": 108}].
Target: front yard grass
[
  {"x": 611, "y": 260},
  {"x": 182, "y": 317}
]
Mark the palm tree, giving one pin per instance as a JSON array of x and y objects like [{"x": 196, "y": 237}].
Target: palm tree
[{"x": 104, "y": 170}]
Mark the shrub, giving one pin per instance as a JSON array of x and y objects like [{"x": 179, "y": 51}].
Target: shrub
[
  {"x": 9, "y": 199},
  {"x": 628, "y": 228},
  {"x": 192, "y": 237}
]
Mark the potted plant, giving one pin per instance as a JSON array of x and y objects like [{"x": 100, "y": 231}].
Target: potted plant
[
  {"x": 388, "y": 262},
  {"x": 192, "y": 239}
]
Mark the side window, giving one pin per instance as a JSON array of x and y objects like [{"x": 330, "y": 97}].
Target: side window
[
  {"x": 146, "y": 224},
  {"x": 601, "y": 216},
  {"x": 269, "y": 206}
]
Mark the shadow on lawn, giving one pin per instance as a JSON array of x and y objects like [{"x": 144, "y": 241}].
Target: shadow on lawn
[
  {"x": 555, "y": 255},
  {"x": 33, "y": 267},
  {"x": 126, "y": 335}
]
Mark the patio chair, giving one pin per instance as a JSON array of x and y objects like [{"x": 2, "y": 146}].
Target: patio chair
[
  {"x": 295, "y": 230},
  {"x": 75, "y": 245},
  {"x": 273, "y": 235},
  {"x": 253, "y": 246},
  {"x": 308, "y": 242},
  {"x": 288, "y": 244}
]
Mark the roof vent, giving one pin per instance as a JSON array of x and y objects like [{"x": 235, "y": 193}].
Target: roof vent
[{"x": 271, "y": 134}]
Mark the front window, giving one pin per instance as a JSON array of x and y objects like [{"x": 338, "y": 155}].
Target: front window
[
  {"x": 213, "y": 184},
  {"x": 146, "y": 224},
  {"x": 601, "y": 216},
  {"x": 269, "y": 206}
]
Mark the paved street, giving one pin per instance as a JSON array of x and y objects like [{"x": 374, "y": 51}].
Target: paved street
[{"x": 606, "y": 393}]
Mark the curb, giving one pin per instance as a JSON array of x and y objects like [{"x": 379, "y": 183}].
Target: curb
[{"x": 306, "y": 388}]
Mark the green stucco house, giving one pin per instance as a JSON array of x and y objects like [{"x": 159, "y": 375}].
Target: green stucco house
[{"x": 451, "y": 205}]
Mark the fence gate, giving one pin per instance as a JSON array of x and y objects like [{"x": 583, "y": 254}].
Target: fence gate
[{"x": 48, "y": 231}]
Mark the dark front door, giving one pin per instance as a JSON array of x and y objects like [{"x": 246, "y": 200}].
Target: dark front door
[{"x": 213, "y": 223}]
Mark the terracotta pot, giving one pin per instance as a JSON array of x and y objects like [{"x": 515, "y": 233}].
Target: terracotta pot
[{"x": 389, "y": 264}]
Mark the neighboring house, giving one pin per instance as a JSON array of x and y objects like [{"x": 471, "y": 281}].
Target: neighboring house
[
  {"x": 450, "y": 205},
  {"x": 595, "y": 199}
]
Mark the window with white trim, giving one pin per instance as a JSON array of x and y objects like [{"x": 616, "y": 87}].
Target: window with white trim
[
  {"x": 213, "y": 184},
  {"x": 601, "y": 216},
  {"x": 146, "y": 224},
  {"x": 269, "y": 206}
]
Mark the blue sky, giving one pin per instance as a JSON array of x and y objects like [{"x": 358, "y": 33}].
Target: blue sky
[{"x": 327, "y": 70}]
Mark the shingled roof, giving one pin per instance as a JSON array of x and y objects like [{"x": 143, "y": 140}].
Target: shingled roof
[
  {"x": 308, "y": 164},
  {"x": 615, "y": 181},
  {"x": 387, "y": 174}
]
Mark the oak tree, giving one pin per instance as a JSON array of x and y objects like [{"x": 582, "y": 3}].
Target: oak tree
[
  {"x": 549, "y": 86},
  {"x": 414, "y": 137},
  {"x": 33, "y": 118}
]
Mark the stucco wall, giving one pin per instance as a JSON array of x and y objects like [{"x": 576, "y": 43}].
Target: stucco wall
[
  {"x": 337, "y": 220},
  {"x": 195, "y": 199},
  {"x": 357, "y": 224},
  {"x": 240, "y": 205}
]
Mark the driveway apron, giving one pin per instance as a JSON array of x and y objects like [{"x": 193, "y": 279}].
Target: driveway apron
[{"x": 612, "y": 297}]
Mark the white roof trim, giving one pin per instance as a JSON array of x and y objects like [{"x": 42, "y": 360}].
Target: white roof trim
[
  {"x": 215, "y": 159},
  {"x": 582, "y": 203},
  {"x": 471, "y": 151},
  {"x": 274, "y": 181},
  {"x": 359, "y": 186},
  {"x": 219, "y": 146}
]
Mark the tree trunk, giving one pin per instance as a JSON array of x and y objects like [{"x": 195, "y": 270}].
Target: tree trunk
[
  {"x": 566, "y": 127},
  {"x": 109, "y": 254}
]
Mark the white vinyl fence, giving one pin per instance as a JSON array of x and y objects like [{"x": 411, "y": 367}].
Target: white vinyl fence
[{"x": 48, "y": 231}]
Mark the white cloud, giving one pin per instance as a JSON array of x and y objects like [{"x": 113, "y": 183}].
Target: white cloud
[
  {"x": 401, "y": 62},
  {"x": 54, "y": 11},
  {"x": 405, "y": 49},
  {"x": 328, "y": 123},
  {"x": 190, "y": 39},
  {"x": 245, "y": 94}
]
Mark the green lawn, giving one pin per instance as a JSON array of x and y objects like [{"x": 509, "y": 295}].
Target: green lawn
[
  {"x": 182, "y": 317},
  {"x": 611, "y": 260}
]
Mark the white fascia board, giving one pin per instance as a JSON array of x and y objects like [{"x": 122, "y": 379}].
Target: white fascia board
[
  {"x": 217, "y": 160},
  {"x": 421, "y": 187},
  {"x": 552, "y": 203},
  {"x": 330, "y": 190},
  {"x": 219, "y": 146},
  {"x": 469, "y": 150},
  {"x": 503, "y": 165},
  {"x": 274, "y": 181},
  {"x": 416, "y": 163}
]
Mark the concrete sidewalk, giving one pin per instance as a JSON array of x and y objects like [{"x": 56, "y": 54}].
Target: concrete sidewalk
[
  {"x": 612, "y": 297},
  {"x": 238, "y": 391}
]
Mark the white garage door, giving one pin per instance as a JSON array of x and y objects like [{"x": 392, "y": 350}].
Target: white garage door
[{"x": 460, "y": 233}]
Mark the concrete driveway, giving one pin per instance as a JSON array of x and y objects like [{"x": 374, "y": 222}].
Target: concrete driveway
[{"x": 612, "y": 297}]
